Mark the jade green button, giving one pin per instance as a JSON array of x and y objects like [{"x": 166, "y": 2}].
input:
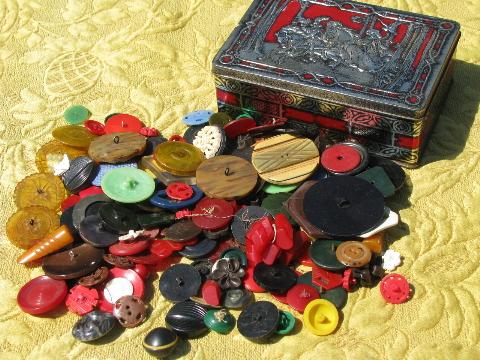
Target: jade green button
[
  {"x": 274, "y": 204},
  {"x": 379, "y": 178},
  {"x": 337, "y": 296},
  {"x": 128, "y": 185},
  {"x": 236, "y": 254},
  {"x": 322, "y": 253},
  {"x": 76, "y": 114},
  {"x": 276, "y": 189},
  {"x": 286, "y": 323},
  {"x": 220, "y": 321}
]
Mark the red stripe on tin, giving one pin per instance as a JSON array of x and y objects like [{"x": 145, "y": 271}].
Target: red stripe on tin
[
  {"x": 329, "y": 123},
  {"x": 423, "y": 47},
  {"x": 227, "y": 97},
  {"x": 408, "y": 142}
]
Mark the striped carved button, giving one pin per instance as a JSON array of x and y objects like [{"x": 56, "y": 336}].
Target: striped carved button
[
  {"x": 117, "y": 147},
  {"x": 285, "y": 159}
]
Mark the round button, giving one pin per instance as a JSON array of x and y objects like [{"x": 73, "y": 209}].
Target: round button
[
  {"x": 95, "y": 127},
  {"x": 237, "y": 298},
  {"x": 323, "y": 254},
  {"x": 120, "y": 284},
  {"x": 353, "y": 254},
  {"x": 395, "y": 289},
  {"x": 93, "y": 231},
  {"x": 128, "y": 185},
  {"x": 40, "y": 190},
  {"x": 118, "y": 218},
  {"x": 117, "y": 147},
  {"x": 198, "y": 117},
  {"x": 81, "y": 300},
  {"x": 276, "y": 189},
  {"x": 275, "y": 278},
  {"x": 212, "y": 214},
  {"x": 76, "y": 114},
  {"x": 93, "y": 326},
  {"x": 126, "y": 248},
  {"x": 186, "y": 319},
  {"x": 179, "y": 191},
  {"x": 320, "y": 317},
  {"x": 341, "y": 159},
  {"x": 123, "y": 123},
  {"x": 99, "y": 276},
  {"x": 160, "y": 342},
  {"x": 122, "y": 262},
  {"x": 220, "y": 119},
  {"x": 199, "y": 250},
  {"x": 182, "y": 231},
  {"x": 210, "y": 139},
  {"x": 51, "y": 153},
  {"x": 258, "y": 321},
  {"x": 337, "y": 296},
  {"x": 180, "y": 282},
  {"x": 286, "y": 323},
  {"x": 105, "y": 168},
  {"x": 89, "y": 205},
  {"x": 239, "y": 126},
  {"x": 226, "y": 177},
  {"x": 178, "y": 158},
  {"x": 73, "y": 135},
  {"x": 300, "y": 295},
  {"x": 130, "y": 311},
  {"x": 220, "y": 321},
  {"x": 41, "y": 295}
]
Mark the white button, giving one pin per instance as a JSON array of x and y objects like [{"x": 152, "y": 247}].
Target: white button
[{"x": 116, "y": 288}]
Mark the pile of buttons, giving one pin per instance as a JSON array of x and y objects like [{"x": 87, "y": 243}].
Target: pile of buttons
[{"x": 251, "y": 206}]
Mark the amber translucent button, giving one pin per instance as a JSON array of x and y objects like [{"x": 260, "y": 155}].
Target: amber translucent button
[
  {"x": 40, "y": 190},
  {"x": 226, "y": 177},
  {"x": 73, "y": 135},
  {"x": 376, "y": 242},
  {"x": 52, "y": 153},
  {"x": 353, "y": 253},
  {"x": 117, "y": 147},
  {"x": 178, "y": 158},
  {"x": 29, "y": 225},
  {"x": 285, "y": 159}
]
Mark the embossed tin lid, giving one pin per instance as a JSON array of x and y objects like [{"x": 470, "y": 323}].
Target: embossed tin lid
[{"x": 354, "y": 54}]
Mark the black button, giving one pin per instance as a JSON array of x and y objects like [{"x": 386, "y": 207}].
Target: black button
[
  {"x": 118, "y": 218},
  {"x": 94, "y": 232},
  {"x": 258, "y": 321},
  {"x": 88, "y": 206},
  {"x": 394, "y": 171},
  {"x": 199, "y": 250},
  {"x": 237, "y": 298},
  {"x": 183, "y": 230},
  {"x": 160, "y": 342},
  {"x": 180, "y": 282},
  {"x": 186, "y": 319},
  {"x": 155, "y": 220},
  {"x": 80, "y": 174},
  {"x": 276, "y": 278}
]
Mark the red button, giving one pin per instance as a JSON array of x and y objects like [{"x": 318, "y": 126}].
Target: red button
[
  {"x": 162, "y": 249},
  {"x": 92, "y": 190},
  {"x": 126, "y": 248},
  {"x": 300, "y": 295},
  {"x": 95, "y": 127},
  {"x": 395, "y": 289},
  {"x": 341, "y": 158},
  {"x": 123, "y": 123},
  {"x": 212, "y": 214},
  {"x": 179, "y": 191},
  {"x": 239, "y": 127},
  {"x": 211, "y": 293},
  {"x": 177, "y": 138},
  {"x": 69, "y": 202},
  {"x": 81, "y": 300},
  {"x": 300, "y": 242},
  {"x": 272, "y": 253},
  {"x": 249, "y": 283},
  {"x": 131, "y": 276},
  {"x": 149, "y": 132},
  {"x": 142, "y": 270},
  {"x": 348, "y": 280},
  {"x": 326, "y": 279},
  {"x": 149, "y": 259},
  {"x": 283, "y": 232},
  {"x": 41, "y": 295}
]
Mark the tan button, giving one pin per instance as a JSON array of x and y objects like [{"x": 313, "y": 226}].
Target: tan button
[
  {"x": 117, "y": 147},
  {"x": 226, "y": 177},
  {"x": 130, "y": 311},
  {"x": 285, "y": 159},
  {"x": 353, "y": 254}
]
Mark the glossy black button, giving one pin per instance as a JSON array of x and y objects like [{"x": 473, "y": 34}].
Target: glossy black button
[
  {"x": 244, "y": 218},
  {"x": 67, "y": 219},
  {"x": 199, "y": 250},
  {"x": 118, "y": 218},
  {"x": 258, "y": 321},
  {"x": 237, "y": 298},
  {"x": 183, "y": 230},
  {"x": 276, "y": 278},
  {"x": 180, "y": 282},
  {"x": 160, "y": 342},
  {"x": 186, "y": 319},
  {"x": 93, "y": 326},
  {"x": 93, "y": 231},
  {"x": 344, "y": 206},
  {"x": 88, "y": 206},
  {"x": 155, "y": 220},
  {"x": 323, "y": 254},
  {"x": 80, "y": 174}
]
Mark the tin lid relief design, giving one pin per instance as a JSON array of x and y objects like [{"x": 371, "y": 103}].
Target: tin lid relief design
[{"x": 357, "y": 54}]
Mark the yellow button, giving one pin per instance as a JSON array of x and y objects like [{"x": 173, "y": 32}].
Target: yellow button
[{"x": 320, "y": 317}]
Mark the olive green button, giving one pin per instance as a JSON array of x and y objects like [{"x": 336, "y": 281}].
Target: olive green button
[
  {"x": 127, "y": 185},
  {"x": 220, "y": 321},
  {"x": 337, "y": 296},
  {"x": 322, "y": 253},
  {"x": 277, "y": 189},
  {"x": 286, "y": 323},
  {"x": 220, "y": 119},
  {"x": 76, "y": 114},
  {"x": 379, "y": 178},
  {"x": 274, "y": 204}
]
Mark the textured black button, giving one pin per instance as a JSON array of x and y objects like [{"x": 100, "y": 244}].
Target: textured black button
[
  {"x": 199, "y": 250},
  {"x": 276, "y": 278},
  {"x": 183, "y": 230},
  {"x": 258, "y": 321},
  {"x": 80, "y": 174},
  {"x": 186, "y": 319},
  {"x": 180, "y": 282},
  {"x": 93, "y": 231},
  {"x": 118, "y": 218}
]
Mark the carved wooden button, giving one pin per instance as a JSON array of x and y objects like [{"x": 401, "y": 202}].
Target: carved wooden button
[
  {"x": 130, "y": 311},
  {"x": 117, "y": 147},
  {"x": 353, "y": 254},
  {"x": 98, "y": 277}
]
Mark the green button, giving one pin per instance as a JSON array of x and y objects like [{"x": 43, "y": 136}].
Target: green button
[
  {"x": 274, "y": 204},
  {"x": 220, "y": 321},
  {"x": 307, "y": 279},
  {"x": 337, "y": 296},
  {"x": 220, "y": 119},
  {"x": 286, "y": 323},
  {"x": 128, "y": 185},
  {"x": 277, "y": 189},
  {"x": 378, "y": 178},
  {"x": 322, "y": 253},
  {"x": 76, "y": 114},
  {"x": 236, "y": 254}
]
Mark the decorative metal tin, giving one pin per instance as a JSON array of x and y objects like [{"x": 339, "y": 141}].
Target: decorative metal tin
[{"x": 353, "y": 69}]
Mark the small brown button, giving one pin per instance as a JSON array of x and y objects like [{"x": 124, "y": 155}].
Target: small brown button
[
  {"x": 99, "y": 276},
  {"x": 130, "y": 311},
  {"x": 119, "y": 261},
  {"x": 353, "y": 254},
  {"x": 117, "y": 147}
]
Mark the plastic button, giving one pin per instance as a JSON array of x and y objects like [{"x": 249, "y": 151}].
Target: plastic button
[
  {"x": 198, "y": 117},
  {"x": 123, "y": 123},
  {"x": 320, "y": 317},
  {"x": 395, "y": 289},
  {"x": 81, "y": 300},
  {"x": 93, "y": 326},
  {"x": 300, "y": 295},
  {"x": 179, "y": 191},
  {"x": 341, "y": 159},
  {"x": 353, "y": 253},
  {"x": 95, "y": 127},
  {"x": 128, "y": 185},
  {"x": 41, "y": 295}
]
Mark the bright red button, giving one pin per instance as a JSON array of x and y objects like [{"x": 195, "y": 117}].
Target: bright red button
[
  {"x": 41, "y": 295},
  {"x": 95, "y": 127},
  {"x": 162, "y": 249},
  {"x": 128, "y": 274},
  {"x": 211, "y": 293},
  {"x": 123, "y": 123},
  {"x": 149, "y": 132},
  {"x": 239, "y": 127},
  {"x": 249, "y": 283},
  {"x": 212, "y": 214},
  {"x": 341, "y": 158},
  {"x": 395, "y": 289},
  {"x": 69, "y": 202},
  {"x": 300, "y": 295},
  {"x": 81, "y": 300},
  {"x": 126, "y": 248},
  {"x": 142, "y": 270},
  {"x": 90, "y": 191},
  {"x": 179, "y": 191}
]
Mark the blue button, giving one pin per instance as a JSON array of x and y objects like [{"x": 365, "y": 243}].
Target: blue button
[
  {"x": 198, "y": 117},
  {"x": 104, "y": 168}
]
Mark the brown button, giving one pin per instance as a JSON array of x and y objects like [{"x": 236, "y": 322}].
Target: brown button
[
  {"x": 183, "y": 230},
  {"x": 99, "y": 276},
  {"x": 353, "y": 254},
  {"x": 376, "y": 242},
  {"x": 119, "y": 261},
  {"x": 117, "y": 147},
  {"x": 130, "y": 311},
  {"x": 74, "y": 263},
  {"x": 226, "y": 177}
]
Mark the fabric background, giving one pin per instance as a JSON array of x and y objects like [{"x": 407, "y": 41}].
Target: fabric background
[{"x": 152, "y": 58}]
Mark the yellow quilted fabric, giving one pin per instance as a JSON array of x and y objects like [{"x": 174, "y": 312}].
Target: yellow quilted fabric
[{"x": 152, "y": 58}]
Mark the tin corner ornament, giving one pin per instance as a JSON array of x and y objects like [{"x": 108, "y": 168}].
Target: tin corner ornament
[{"x": 355, "y": 70}]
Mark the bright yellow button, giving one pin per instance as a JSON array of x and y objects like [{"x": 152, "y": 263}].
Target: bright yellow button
[{"x": 320, "y": 317}]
